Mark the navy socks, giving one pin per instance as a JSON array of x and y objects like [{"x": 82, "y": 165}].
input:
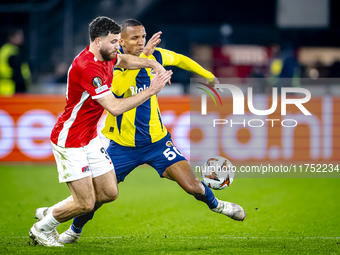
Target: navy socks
[
  {"x": 208, "y": 197},
  {"x": 80, "y": 221}
]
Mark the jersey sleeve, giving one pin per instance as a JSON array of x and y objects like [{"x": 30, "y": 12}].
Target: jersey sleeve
[
  {"x": 171, "y": 58},
  {"x": 92, "y": 81},
  {"x": 123, "y": 79}
]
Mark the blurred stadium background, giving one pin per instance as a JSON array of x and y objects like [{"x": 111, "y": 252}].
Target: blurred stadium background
[
  {"x": 270, "y": 39},
  {"x": 232, "y": 39}
]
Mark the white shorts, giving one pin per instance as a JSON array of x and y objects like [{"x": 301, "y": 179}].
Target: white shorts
[{"x": 77, "y": 163}]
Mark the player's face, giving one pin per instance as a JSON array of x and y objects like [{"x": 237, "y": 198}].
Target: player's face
[
  {"x": 133, "y": 40},
  {"x": 109, "y": 46}
]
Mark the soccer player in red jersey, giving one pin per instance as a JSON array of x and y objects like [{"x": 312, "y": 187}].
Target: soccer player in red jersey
[
  {"x": 140, "y": 133},
  {"x": 81, "y": 159}
]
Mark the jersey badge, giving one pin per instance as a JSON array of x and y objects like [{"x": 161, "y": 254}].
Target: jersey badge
[
  {"x": 97, "y": 82},
  {"x": 169, "y": 144}
]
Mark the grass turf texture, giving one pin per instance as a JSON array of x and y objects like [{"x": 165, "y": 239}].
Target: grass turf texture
[{"x": 153, "y": 216}]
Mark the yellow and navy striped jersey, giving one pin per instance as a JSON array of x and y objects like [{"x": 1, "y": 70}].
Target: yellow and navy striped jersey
[{"x": 143, "y": 125}]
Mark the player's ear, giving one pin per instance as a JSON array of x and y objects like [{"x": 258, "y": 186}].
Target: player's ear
[
  {"x": 121, "y": 42},
  {"x": 98, "y": 42}
]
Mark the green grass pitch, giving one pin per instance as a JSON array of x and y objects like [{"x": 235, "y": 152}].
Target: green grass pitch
[{"x": 155, "y": 216}]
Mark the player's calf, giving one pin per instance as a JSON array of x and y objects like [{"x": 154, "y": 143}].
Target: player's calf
[{"x": 194, "y": 187}]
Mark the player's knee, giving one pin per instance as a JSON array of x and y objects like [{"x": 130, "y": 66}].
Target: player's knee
[
  {"x": 115, "y": 194},
  {"x": 112, "y": 196},
  {"x": 86, "y": 206},
  {"x": 109, "y": 196}
]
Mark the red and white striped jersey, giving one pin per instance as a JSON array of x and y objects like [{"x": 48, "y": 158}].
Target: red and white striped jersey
[{"x": 88, "y": 79}]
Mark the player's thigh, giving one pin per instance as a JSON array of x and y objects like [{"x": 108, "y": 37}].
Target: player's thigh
[
  {"x": 105, "y": 187},
  {"x": 179, "y": 171},
  {"x": 125, "y": 159},
  {"x": 99, "y": 161},
  {"x": 171, "y": 164},
  {"x": 182, "y": 173},
  {"x": 72, "y": 163},
  {"x": 104, "y": 178},
  {"x": 83, "y": 193},
  {"x": 162, "y": 155}
]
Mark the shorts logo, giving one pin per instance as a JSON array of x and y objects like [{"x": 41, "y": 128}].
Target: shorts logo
[
  {"x": 169, "y": 144},
  {"x": 97, "y": 82},
  {"x": 85, "y": 169},
  {"x": 152, "y": 72}
]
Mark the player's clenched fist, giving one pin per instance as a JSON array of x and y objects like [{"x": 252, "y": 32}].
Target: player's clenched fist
[{"x": 159, "y": 81}]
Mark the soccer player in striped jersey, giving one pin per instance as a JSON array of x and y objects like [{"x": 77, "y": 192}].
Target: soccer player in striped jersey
[
  {"x": 81, "y": 159},
  {"x": 139, "y": 137}
]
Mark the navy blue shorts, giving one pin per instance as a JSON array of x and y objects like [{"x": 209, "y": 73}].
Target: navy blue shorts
[{"x": 159, "y": 155}]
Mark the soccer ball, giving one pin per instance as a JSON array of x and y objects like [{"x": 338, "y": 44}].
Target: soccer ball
[{"x": 217, "y": 173}]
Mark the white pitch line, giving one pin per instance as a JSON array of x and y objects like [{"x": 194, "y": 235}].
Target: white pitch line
[{"x": 201, "y": 237}]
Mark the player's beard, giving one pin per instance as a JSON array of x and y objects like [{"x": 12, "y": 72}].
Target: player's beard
[{"x": 106, "y": 55}]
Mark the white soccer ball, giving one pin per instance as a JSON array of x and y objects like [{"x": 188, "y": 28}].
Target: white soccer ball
[{"x": 217, "y": 173}]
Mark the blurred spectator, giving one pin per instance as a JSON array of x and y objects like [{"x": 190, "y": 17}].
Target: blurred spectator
[
  {"x": 290, "y": 73},
  {"x": 60, "y": 73},
  {"x": 259, "y": 73},
  {"x": 275, "y": 64},
  {"x": 314, "y": 71},
  {"x": 289, "y": 64},
  {"x": 334, "y": 70},
  {"x": 58, "y": 80},
  {"x": 14, "y": 73}
]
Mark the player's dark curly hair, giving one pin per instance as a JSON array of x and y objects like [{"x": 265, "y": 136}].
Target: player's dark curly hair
[
  {"x": 129, "y": 23},
  {"x": 102, "y": 26}
]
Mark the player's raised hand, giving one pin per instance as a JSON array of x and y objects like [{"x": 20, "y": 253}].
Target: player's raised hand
[
  {"x": 213, "y": 84},
  {"x": 159, "y": 81},
  {"x": 150, "y": 48},
  {"x": 152, "y": 44}
]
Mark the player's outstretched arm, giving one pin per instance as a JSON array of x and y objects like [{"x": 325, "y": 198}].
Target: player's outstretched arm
[
  {"x": 173, "y": 59},
  {"x": 128, "y": 61},
  {"x": 116, "y": 106},
  {"x": 190, "y": 65}
]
